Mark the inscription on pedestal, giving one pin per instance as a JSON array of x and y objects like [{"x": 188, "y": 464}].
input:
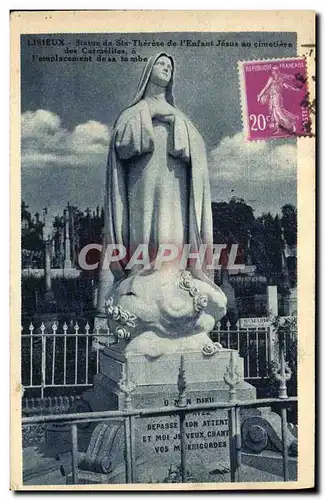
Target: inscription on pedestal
[{"x": 206, "y": 433}]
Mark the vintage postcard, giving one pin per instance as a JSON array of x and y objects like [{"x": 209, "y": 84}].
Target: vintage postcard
[{"x": 162, "y": 250}]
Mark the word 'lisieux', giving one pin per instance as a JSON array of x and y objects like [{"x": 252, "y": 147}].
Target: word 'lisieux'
[{"x": 166, "y": 253}]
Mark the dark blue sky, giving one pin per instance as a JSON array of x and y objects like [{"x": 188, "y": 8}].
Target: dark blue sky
[{"x": 206, "y": 89}]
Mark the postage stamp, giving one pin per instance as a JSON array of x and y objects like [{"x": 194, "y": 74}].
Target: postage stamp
[
  {"x": 155, "y": 246},
  {"x": 275, "y": 98}
]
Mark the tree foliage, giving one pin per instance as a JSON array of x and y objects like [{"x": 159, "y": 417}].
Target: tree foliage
[
  {"x": 260, "y": 238},
  {"x": 263, "y": 237}
]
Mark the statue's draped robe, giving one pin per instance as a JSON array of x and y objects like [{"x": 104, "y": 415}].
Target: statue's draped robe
[
  {"x": 157, "y": 175},
  {"x": 157, "y": 186}
]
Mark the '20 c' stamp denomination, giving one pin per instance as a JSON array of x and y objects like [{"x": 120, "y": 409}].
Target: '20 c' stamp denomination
[{"x": 275, "y": 98}]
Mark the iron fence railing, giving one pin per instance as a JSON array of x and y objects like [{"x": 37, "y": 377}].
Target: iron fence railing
[
  {"x": 61, "y": 356},
  {"x": 131, "y": 416},
  {"x": 56, "y": 356},
  {"x": 253, "y": 344}
]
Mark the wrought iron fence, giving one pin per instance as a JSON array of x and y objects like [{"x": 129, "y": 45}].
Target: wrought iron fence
[
  {"x": 58, "y": 356},
  {"x": 253, "y": 344},
  {"x": 62, "y": 356},
  {"x": 130, "y": 417}
]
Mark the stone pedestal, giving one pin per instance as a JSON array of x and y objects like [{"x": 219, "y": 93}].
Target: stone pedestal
[
  {"x": 159, "y": 377},
  {"x": 157, "y": 439}
]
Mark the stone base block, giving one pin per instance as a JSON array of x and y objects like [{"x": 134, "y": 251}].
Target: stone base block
[{"x": 143, "y": 370}]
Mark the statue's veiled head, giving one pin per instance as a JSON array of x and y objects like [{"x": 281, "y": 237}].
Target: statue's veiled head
[{"x": 160, "y": 70}]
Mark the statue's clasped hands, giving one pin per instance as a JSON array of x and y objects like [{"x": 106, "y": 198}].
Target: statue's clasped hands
[{"x": 162, "y": 111}]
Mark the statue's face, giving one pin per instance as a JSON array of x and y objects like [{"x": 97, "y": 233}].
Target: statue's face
[{"x": 162, "y": 71}]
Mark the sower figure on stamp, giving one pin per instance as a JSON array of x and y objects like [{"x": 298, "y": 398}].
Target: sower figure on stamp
[
  {"x": 158, "y": 196},
  {"x": 272, "y": 94}
]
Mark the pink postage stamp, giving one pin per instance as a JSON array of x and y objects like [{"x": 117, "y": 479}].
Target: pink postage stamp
[{"x": 275, "y": 99}]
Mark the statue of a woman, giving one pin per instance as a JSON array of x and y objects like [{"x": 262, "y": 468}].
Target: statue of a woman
[{"x": 158, "y": 192}]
